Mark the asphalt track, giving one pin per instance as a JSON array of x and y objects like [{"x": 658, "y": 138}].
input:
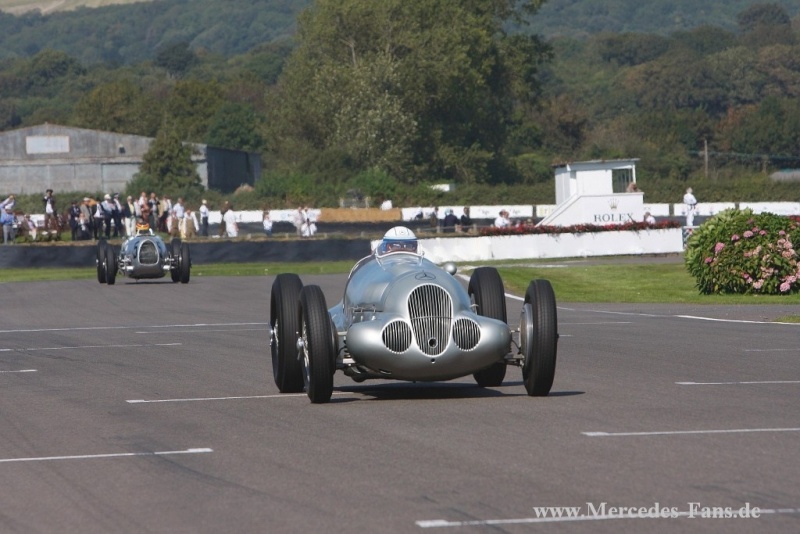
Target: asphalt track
[{"x": 150, "y": 407}]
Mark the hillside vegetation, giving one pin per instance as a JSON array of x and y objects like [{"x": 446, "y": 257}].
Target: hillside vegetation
[{"x": 388, "y": 97}]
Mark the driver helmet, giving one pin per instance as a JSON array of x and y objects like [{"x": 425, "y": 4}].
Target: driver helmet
[
  {"x": 142, "y": 228},
  {"x": 398, "y": 239}
]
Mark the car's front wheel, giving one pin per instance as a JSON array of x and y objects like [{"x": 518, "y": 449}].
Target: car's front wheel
[
  {"x": 284, "y": 321},
  {"x": 110, "y": 265},
  {"x": 101, "y": 261},
  {"x": 539, "y": 338},
  {"x": 185, "y": 263},
  {"x": 317, "y": 347},
  {"x": 487, "y": 292},
  {"x": 175, "y": 268}
]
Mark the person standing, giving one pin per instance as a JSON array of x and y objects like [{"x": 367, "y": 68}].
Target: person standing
[
  {"x": 267, "y": 222},
  {"x": 74, "y": 213},
  {"x": 225, "y": 208},
  {"x": 466, "y": 220},
  {"x": 178, "y": 212},
  {"x": 7, "y": 221},
  {"x": 690, "y": 203},
  {"x": 502, "y": 220},
  {"x": 107, "y": 207},
  {"x": 50, "y": 222},
  {"x": 204, "y": 218},
  {"x": 231, "y": 228},
  {"x": 116, "y": 214},
  {"x": 450, "y": 221},
  {"x": 153, "y": 205}
]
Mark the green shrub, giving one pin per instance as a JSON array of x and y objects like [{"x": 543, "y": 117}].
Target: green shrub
[{"x": 740, "y": 252}]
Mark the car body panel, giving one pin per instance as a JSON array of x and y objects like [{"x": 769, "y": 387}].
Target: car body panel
[
  {"x": 404, "y": 317},
  {"x": 145, "y": 256}
]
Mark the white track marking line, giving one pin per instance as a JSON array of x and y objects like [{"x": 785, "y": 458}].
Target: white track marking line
[
  {"x": 207, "y": 330},
  {"x": 93, "y": 347},
  {"x": 20, "y": 371},
  {"x": 699, "y": 318},
  {"x": 681, "y": 432},
  {"x": 443, "y": 523},
  {"x": 197, "y": 325},
  {"x": 112, "y": 455},
  {"x": 769, "y": 350},
  {"x": 738, "y": 383},
  {"x": 278, "y": 396},
  {"x": 598, "y": 322}
]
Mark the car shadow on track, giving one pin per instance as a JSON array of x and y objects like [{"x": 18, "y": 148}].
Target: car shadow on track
[{"x": 437, "y": 390}]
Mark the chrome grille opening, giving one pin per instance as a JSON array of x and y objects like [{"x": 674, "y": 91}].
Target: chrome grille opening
[
  {"x": 466, "y": 334},
  {"x": 397, "y": 336},
  {"x": 431, "y": 312},
  {"x": 148, "y": 253}
]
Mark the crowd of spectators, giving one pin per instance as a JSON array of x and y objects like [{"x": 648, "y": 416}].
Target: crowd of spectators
[{"x": 110, "y": 217}]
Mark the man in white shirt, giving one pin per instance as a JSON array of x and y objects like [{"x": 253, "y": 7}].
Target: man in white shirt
[
  {"x": 691, "y": 205},
  {"x": 204, "y": 219},
  {"x": 502, "y": 220}
]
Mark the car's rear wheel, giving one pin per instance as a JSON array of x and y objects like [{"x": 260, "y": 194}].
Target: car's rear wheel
[
  {"x": 175, "y": 269},
  {"x": 185, "y": 263},
  {"x": 539, "y": 338},
  {"x": 284, "y": 321},
  {"x": 318, "y": 353},
  {"x": 487, "y": 292},
  {"x": 110, "y": 265},
  {"x": 101, "y": 261}
]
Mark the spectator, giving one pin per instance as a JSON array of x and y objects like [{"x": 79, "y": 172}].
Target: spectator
[
  {"x": 165, "y": 219},
  {"x": 84, "y": 228},
  {"x": 434, "y": 219},
  {"x": 691, "y": 205},
  {"x": 86, "y": 211},
  {"x": 310, "y": 223},
  {"x": 130, "y": 211},
  {"x": 298, "y": 219},
  {"x": 419, "y": 215},
  {"x": 30, "y": 227},
  {"x": 108, "y": 206},
  {"x": 204, "y": 218},
  {"x": 648, "y": 218},
  {"x": 178, "y": 213},
  {"x": 74, "y": 212},
  {"x": 450, "y": 221},
  {"x": 99, "y": 219},
  {"x": 142, "y": 201},
  {"x": 188, "y": 225},
  {"x": 231, "y": 228},
  {"x": 267, "y": 222},
  {"x": 8, "y": 221},
  {"x": 11, "y": 201},
  {"x": 153, "y": 204},
  {"x": 116, "y": 215},
  {"x": 50, "y": 211},
  {"x": 466, "y": 220},
  {"x": 225, "y": 208},
  {"x": 632, "y": 188},
  {"x": 502, "y": 220}
]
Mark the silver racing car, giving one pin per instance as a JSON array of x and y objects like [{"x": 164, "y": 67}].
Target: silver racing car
[
  {"x": 403, "y": 317},
  {"x": 144, "y": 255}
]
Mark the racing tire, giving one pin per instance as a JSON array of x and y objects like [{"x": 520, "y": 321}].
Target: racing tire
[
  {"x": 317, "y": 351},
  {"x": 539, "y": 338},
  {"x": 101, "y": 261},
  {"x": 110, "y": 265},
  {"x": 175, "y": 269},
  {"x": 284, "y": 322},
  {"x": 487, "y": 292},
  {"x": 185, "y": 263}
]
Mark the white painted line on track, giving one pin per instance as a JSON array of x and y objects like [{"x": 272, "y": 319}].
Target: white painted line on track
[
  {"x": 159, "y": 326},
  {"x": 443, "y": 523},
  {"x": 20, "y": 371},
  {"x": 681, "y": 432},
  {"x": 207, "y": 330},
  {"x": 277, "y": 396},
  {"x": 112, "y": 455},
  {"x": 598, "y": 322},
  {"x": 738, "y": 383},
  {"x": 770, "y": 350},
  {"x": 34, "y": 349},
  {"x": 699, "y": 318}
]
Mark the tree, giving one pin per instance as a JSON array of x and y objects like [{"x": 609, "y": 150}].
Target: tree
[
  {"x": 167, "y": 167},
  {"x": 176, "y": 58},
  {"x": 118, "y": 106},
  {"x": 191, "y": 106},
  {"x": 417, "y": 88},
  {"x": 235, "y": 126}
]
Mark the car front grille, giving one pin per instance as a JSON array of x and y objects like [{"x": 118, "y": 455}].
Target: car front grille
[
  {"x": 397, "y": 336},
  {"x": 431, "y": 312},
  {"x": 466, "y": 334},
  {"x": 148, "y": 253}
]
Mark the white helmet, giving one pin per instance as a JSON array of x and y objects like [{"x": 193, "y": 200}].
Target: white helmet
[{"x": 398, "y": 239}]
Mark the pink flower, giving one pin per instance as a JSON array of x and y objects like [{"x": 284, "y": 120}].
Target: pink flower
[
  {"x": 781, "y": 232},
  {"x": 734, "y": 237},
  {"x": 786, "y": 286},
  {"x": 709, "y": 259},
  {"x": 786, "y": 254},
  {"x": 718, "y": 248},
  {"x": 757, "y": 284},
  {"x": 748, "y": 234}
]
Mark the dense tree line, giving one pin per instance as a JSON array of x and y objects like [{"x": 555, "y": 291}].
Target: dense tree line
[{"x": 388, "y": 97}]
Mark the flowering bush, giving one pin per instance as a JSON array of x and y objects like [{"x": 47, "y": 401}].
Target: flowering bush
[
  {"x": 739, "y": 252},
  {"x": 529, "y": 228}
]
